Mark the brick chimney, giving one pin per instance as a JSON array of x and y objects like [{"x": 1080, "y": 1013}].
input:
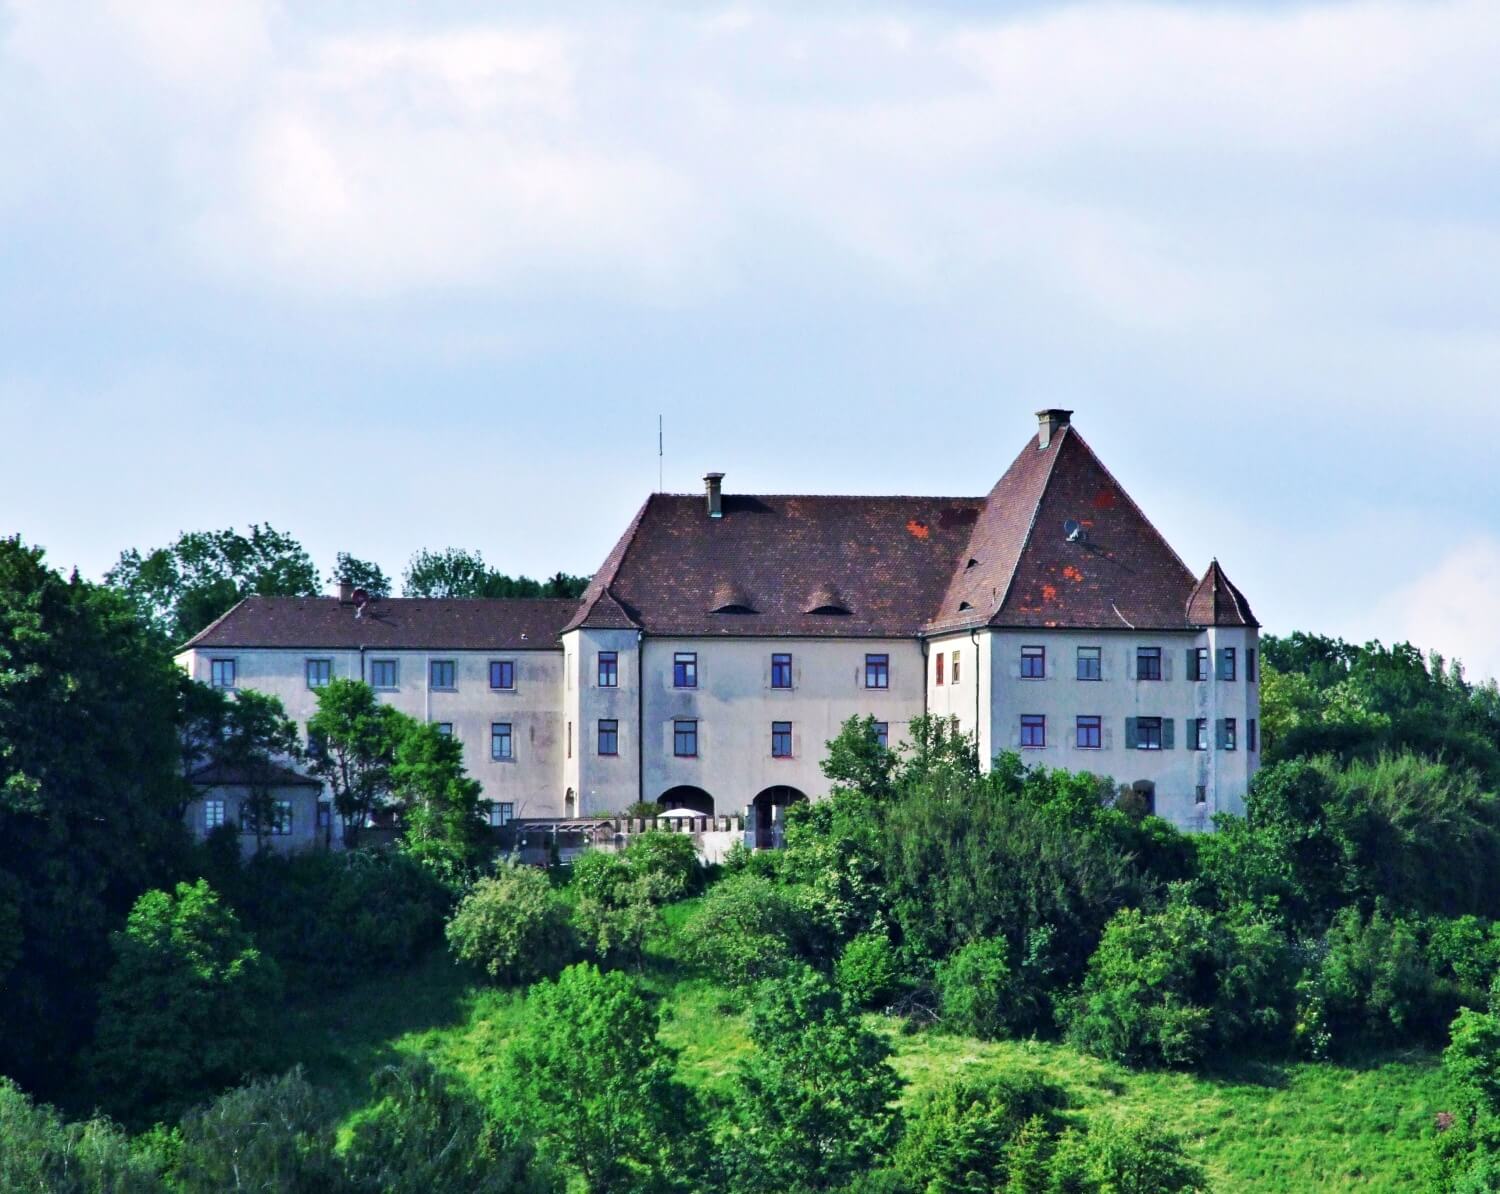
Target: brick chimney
[
  {"x": 346, "y": 592},
  {"x": 713, "y": 486},
  {"x": 1051, "y": 422}
]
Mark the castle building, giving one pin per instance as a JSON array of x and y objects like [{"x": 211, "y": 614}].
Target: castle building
[{"x": 727, "y": 637}]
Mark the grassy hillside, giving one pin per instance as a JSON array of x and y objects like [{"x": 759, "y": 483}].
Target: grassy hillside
[{"x": 1263, "y": 1126}]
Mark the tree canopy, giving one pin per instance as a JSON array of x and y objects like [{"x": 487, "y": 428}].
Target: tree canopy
[{"x": 455, "y": 572}]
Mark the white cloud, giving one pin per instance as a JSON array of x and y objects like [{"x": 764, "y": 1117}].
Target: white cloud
[{"x": 1450, "y": 608}]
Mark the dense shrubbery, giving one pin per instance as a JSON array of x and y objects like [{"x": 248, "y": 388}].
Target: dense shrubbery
[
  {"x": 38, "y": 1151},
  {"x": 869, "y": 969},
  {"x": 619, "y": 895},
  {"x": 189, "y": 1005},
  {"x": 514, "y": 927},
  {"x": 330, "y": 919},
  {"x": 752, "y": 928},
  {"x": 1172, "y": 987}
]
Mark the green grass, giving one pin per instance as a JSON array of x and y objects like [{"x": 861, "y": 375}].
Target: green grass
[{"x": 1265, "y": 1126}]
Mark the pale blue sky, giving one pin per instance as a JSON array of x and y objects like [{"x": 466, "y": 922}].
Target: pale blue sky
[{"x": 392, "y": 276}]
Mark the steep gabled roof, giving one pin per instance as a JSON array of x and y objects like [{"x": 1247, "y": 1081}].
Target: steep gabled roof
[
  {"x": 598, "y": 608},
  {"x": 266, "y": 774},
  {"x": 1216, "y": 602},
  {"x": 1115, "y": 571},
  {"x": 884, "y": 560},
  {"x": 392, "y": 623}
]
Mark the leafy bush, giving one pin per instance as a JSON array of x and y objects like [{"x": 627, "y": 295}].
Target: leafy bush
[
  {"x": 963, "y": 1137},
  {"x": 1375, "y": 982},
  {"x": 38, "y": 1151},
  {"x": 1133, "y": 1157},
  {"x": 514, "y": 927},
  {"x": 750, "y": 928},
  {"x": 1466, "y": 952},
  {"x": 1467, "y": 1147},
  {"x": 1168, "y": 988},
  {"x": 869, "y": 969},
  {"x": 815, "y": 1102},
  {"x": 978, "y": 989},
  {"x": 591, "y": 1080},
  {"x": 332, "y": 918},
  {"x": 668, "y": 862},
  {"x": 425, "y": 1135},
  {"x": 274, "y": 1135},
  {"x": 189, "y": 1003}
]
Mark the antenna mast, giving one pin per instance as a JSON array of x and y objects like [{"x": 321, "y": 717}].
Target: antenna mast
[{"x": 658, "y": 455}]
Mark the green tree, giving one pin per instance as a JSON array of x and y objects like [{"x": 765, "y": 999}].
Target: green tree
[
  {"x": 91, "y": 796},
  {"x": 444, "y": 821},
  {"x": 245, "y": 732},
  {"x": 362, "y": 574},
  {"x": 454, "y": 572},
  {"x": 514, "y": 927},
  {"x": 1170, "y": 987},
  {"x": 189, "y": 1003},
  {"x": 352, "y": 746},
  {"x": 426, "y": 1135},
  {"x": 270, "y": 1136},
  {"x": 858, "y": 761},
  {"x": 181, "y": 588},
  {"x": 39, "y": 1152},
  {"x": 750, "y": 928},
  {"x": 596, "y": 1085},
  {"x": 1466, "y": 1150},
  {"x": 1131, "y": 1157},
  {"x": 815, "y": 1102},
  {"x": 962, "y": 1138}
]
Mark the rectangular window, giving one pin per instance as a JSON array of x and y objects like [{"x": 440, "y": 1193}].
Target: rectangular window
[
  {"x": 877, "y": 671},
  {"x": 502, "y": 813},
  {"x": 1033, "y": 731},
  {"x": 1200, "y": 794},
  {"x": 445, "y": 728},
  {"x": 685, "y": 669},
  {"x": 1198, "y": 663},
  {"x": 501, "y": 746},
  {"x": 1089, "y": 666},
  {"x": 781, "y": 671},
  {"x": 1227, "y": 734},
  {"x": 280, "y": 824},
  {"x": 1250, "y": 666},
  {"x": 325, "y": 815},
  {"x": 1227, "y": 664},
  {"x": 955, "y": 667},
  {"x": 781, "y": 739},
  {"x": 1252, "y": 733},
  {"x": 502, "y": 673},
  {"x": 1090, "y": 733},
  {"x": 319, "y": 672},
  {"x": 213, "y": 814},
  {"x": 221, "y": 673},
  {"x": 1148, "y": 663},
  {"x": 440, "y": 673},
  {"x": 1200, "y": 733},
  {"x": 883, "y": 733},
  {"x": 938, "y": 663},
  {"x": 1148, "y": 733},
  {"x": 1033, "y": 663},
  {"x": 382, "y": 673},
  {"x": 570, "y": 739},
  {"x": 609, "y": 669},
  {"x": 685, "y": 739},
  {"x": 609, "y": 737}
]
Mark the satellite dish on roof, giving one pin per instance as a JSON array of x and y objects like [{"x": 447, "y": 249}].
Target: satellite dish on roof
[{"x": 1073, "y": 529}]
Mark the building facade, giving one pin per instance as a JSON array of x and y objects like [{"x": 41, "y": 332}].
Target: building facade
[{"x": 727, "y": 637}]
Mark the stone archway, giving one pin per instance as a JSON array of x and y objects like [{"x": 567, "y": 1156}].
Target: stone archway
[
  {"x": 687, "y": 796},
  {"x": 766, "y": 812}
]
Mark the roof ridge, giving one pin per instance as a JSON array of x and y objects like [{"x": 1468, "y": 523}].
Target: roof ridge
[
  {"x": 1134, "y": 505},
  {"x": 214, "y": 624},
  {"x": 1036, "y": 510},
  {"x": 604, "y": 579}
]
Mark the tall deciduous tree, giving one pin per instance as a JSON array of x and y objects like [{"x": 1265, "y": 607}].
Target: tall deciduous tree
[
  {"x": 183, "y": 587},
  {"x": 352, "y": 744},
  {"x": 815, "y": 1103},
  {"x": 455, "y": 572},
  {"x": 362, "y": 574},
  {"x": 444, "y": 821},
  {"x": 596, "y": 1085},
  {"x": 90, "y": 798},
  {"x": 188, "y": 1004}
]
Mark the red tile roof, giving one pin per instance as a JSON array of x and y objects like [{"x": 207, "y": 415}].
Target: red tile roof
[
  {"x": 394, "y": 623},
  {"x": 885, "y": 560},
  {"x": 226, "y": 775},
  {"x": 1216, "y": 602}
]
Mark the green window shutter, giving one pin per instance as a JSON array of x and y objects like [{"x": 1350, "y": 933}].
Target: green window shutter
[
  {"x": 1223, "y": 672},
  {"x": 1130, "y": 738},
  {"x": 1223, "y": 732},
  {"x": 1168, "y": 733},
  {"x": 1191, "y": 671}
]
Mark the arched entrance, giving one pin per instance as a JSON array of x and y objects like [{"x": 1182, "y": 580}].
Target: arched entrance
[
  {"x": 687, "y": 796},
  {"x": 767, "y": 810}
]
